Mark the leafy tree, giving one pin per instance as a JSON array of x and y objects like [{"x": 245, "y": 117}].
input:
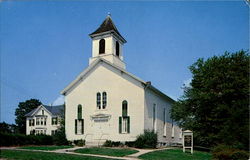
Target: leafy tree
[
  {"x": 60, "y": 137},
  {"x": 216, "y": 105},
  {"x": 22, "y": 109},
  {"x": 7, "y": 128}
]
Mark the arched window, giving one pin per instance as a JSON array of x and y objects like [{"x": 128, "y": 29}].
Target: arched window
[
  {"x": 124, "y": 108},
  {"x": 79, "y": 112},
  {"x": 98, "y": 100},
  {"x": 117, "y": 48},
  {"x": 102, "y": 46},
  {"x": 104, "y": 100}
]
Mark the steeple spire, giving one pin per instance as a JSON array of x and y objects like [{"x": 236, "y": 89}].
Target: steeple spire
[{"x": 107, "y": 26}]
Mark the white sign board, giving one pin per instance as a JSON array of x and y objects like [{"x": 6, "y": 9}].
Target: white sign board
[{"x": 187, "y": 140}]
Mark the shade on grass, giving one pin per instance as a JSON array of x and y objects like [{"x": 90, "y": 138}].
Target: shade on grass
[
  {"x": 47, "y": 148},
  {"x": 117, "y": 152},
  {"x": 35, "y": 155},
  {"x": 176, "y": 154}
]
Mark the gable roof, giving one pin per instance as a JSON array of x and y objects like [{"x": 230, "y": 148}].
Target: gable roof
[
  {"x": 106, "y": 27},
  {"x": 99, "y": 60},
  {"x": 53, "y": 110}
]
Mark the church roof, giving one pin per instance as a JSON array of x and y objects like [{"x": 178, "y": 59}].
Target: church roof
[
  {"x": 54, "y": 110},
  {"x": 82, "y": 74},
  {"x": 106, "y": 27}
]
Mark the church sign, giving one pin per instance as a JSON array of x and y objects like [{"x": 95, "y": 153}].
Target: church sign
[{"x": 187, "y": 140}]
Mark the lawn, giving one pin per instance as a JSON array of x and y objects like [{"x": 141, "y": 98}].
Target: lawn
[
  {"x": 46, "y": 148},
  {"x": 117, "y": 152},
  {"x": 176, "y": 154},
  {"x": 31, "y": 155}
]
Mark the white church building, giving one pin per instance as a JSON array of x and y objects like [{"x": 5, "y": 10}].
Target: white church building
[{"x": 105, "y": 102}]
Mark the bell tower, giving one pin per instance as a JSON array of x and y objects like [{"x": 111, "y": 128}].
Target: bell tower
[{"x": 107, "y": 43}]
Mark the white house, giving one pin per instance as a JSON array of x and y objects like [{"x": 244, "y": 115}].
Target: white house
[
  {"x": 105, "y": 102},
  {"x": 44, "y": 119}
]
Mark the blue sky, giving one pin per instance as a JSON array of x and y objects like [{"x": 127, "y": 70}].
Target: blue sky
[{"x": 45, "y": 44}]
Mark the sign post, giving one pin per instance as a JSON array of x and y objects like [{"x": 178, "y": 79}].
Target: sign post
[{"x": 187, "y": 140}]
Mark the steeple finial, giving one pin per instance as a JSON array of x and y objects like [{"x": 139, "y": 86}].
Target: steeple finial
[{"x": 109, "y": 14}]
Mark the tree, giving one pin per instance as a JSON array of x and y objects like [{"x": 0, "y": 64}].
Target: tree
[
  {"x": 7, "y": 128},
  {"x": 22, "y": 109},
  {"x": 216, "y": 105}
]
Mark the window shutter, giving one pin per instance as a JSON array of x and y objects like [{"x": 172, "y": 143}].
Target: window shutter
[
  {"x": 128, "y": 124},
  {"x": 76, "y": 126},
  {"x": 82, "y": 126},
  {"x": 120, "y": 124}
]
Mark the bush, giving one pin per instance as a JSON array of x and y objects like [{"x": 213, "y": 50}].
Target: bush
[
  {"x": 79, "y": 142},
  {"x": 8, "y": 139},
  {"x": 146, "y": 140},
  {"x": 130, "y": 143},
  {"x": 109, "y": 143},
  {"x": 60, "y": 138},
  {"x": 224, "y": 152}
]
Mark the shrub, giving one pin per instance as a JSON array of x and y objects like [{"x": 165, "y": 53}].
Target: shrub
[
  {"x": 60, "y": 138},
  {"x": 8, "y": 139},
  {"x": 223, "y": 152},
  {"x": 79, "y": 142},
  {"x": 130, "y": 143},
  {"x": 146, "y": 140},
  {"x": 109, "y": 143}
]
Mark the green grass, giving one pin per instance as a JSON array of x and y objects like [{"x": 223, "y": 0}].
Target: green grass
[
  {"x": 107, "y": 151},
  {"x": 35, "y": 155},
  {"x": 176, "y": 154},
  {"x": 46, "y": 148}
]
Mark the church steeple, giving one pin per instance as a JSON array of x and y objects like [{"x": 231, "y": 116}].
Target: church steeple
[{"x": 107, "y": 43}]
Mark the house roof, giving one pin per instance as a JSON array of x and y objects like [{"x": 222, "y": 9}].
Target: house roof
[
  {"x": 99, "y": 60},
  {"x": 54, "y": 110},
  {"x": 107, "y": 26}
]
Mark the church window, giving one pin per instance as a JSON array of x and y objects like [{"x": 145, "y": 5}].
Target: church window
[
  {"x": 172, "y": 135},
  {"x": 104, "y": 100},
  {"x": 124, "y": 108},
  {"x": 79, "y": 126},
  {"x": 79, "y": 112},
  {"x": 154, "y": 117},
  {"x": 102, "y": 46},
  {"x": 164, "y": 123},
  {"x": 117, "y": 48},
  {"x": 124, "y": 120},
  {"x": 79, "y": 122},
  {"x": 98, "y": 100}
]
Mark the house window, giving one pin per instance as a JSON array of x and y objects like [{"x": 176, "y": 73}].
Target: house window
[
  {"x": 45, "y": 121},
  {"x": 117, "y": 48},
  {"x": 53, "y": 132},
  {"x": 79, "y": 126},
  {"x": 102, "y": 46},
  {"x": 32, "y": 132},
  {"x": 164, "y": 123},
  {"x": 79, "y": 112},
  {"x": 98, "y": 100},
  {"x": 154, "y": 115},
  {"x": 104, "y": 100},
  {"x": 42, "y": 112},
  {"x": 54, "y": 120},
  {"x": 37, "y": 121},
  {"x": 41, "y": 121},
  {"x": 124, "y": 120}
]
